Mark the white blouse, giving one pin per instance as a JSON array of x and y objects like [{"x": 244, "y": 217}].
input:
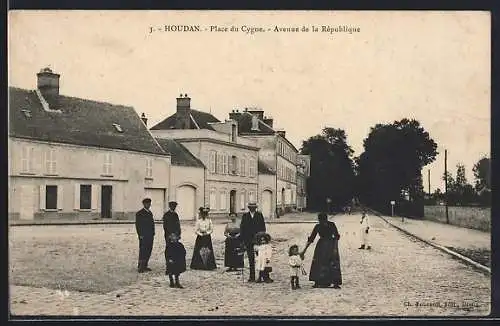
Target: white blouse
[{"x": 204, "y": 227}]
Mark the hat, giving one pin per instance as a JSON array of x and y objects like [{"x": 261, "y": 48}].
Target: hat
[
  {"x": 146, "y": 200},
  {"x": 252, "y": 204},
  {"x": 206, "y": 209},
  {"x": 201, "y": 209},
  {"x": 172, "y": 203}
]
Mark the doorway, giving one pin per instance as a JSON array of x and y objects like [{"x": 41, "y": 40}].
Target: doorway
[
  {"x": 283, "y": 198},
  {"x": 106, "y": 201},
  {"x": 232, "y": 201}
]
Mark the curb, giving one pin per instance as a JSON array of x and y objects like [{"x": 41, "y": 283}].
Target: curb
[{"x": 444, "y": 249}]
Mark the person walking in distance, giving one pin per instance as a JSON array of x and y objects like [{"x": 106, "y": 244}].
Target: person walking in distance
[
  {"x": 364, "y": 230},
  {"x": 251, "y": 223},
  {"x": 145, "y": 227}
]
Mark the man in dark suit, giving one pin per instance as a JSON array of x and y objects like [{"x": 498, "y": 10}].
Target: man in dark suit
[
  {"x": 251, "y": 223},
  {"x": 145, "y": 227},
  {"x": 171, "y": 224}
]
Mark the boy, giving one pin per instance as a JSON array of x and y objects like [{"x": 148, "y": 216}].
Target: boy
[{"x": 175, "y": 256}]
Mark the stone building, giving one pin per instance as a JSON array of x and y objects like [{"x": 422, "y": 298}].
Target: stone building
[
  {"x": 303, "y": 173},
  {"x": 77, "y": 158},
  {"x": 231, "y": 161}
]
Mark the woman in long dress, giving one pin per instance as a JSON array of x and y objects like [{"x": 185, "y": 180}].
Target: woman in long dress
[
  {"x": 233, "y": 253},
  {"x": 203, "y": 253},
  {"x": 325, "y": 266}
]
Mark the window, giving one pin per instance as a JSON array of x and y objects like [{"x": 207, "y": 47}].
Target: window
[
  {"x": 27, "y": 159},
  {"x": 252, "y": 168},
  {"x": 251, "y": 197},
  {"x": 233, "y": 133},
  {"x": 243, "y": 170},
  {"x": 107, "y": 164},
  {"x": 233, "y": 165},
  {"x": 223, "y": 200},
  {"x": 213, "y": 155},
  {"x": 213, "y": 198},
  {"x": 118, "y": 127},
  {"x": 242, "y": 200},
  {"x": 225, "y": 164},
  {"x": 219, "y": 164},
  {"x": 51, "y": 197},
  {"x": 149, "y": 168},
  {"x": 85, "y": 196},
  {"x": 50, "y": 161}
]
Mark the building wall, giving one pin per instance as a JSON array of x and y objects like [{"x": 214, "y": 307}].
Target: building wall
[
  {"x": 201, "y": 133},
  {"x": 478, "y": 218},
  {"x": 75, "y": 165},
  {"x": 222, "y": 183}
]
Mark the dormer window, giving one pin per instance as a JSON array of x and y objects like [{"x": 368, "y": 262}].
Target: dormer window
[
  {"x": 27, "y": 113},
  {"x": 118, "y": 127},
  {"x": 255, "y": 123}
]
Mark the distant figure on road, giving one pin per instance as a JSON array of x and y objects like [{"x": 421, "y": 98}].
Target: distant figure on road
[
  {"x": 203, "y": 253},
  {"x": 175, "y": 255},
  {"x": 171, "y": 223},
  {"x": 145, "y": 227},
  {"x": 233, "y": 254},
  {"x": 364, "y": 230},
  {"x": 325, "y": 266},
  {"x": 251, "y": 223}
]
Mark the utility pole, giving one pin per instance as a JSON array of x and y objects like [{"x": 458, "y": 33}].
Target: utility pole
[
  {"x": 446, "y": 184},
  {"x": 429, "y": 181}
]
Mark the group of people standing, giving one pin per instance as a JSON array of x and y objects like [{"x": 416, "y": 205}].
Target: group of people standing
[{"x": 250, "y": 237}]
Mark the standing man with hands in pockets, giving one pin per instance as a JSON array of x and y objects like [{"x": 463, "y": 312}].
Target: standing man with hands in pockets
[
  {"x": 251, "y": 223},
  {"x": 145, "y": 227}
]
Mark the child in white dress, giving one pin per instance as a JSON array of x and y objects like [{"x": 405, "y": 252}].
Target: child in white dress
[
  {"x": 263, "y": 253},
  {"x": 296, "y": 268}
]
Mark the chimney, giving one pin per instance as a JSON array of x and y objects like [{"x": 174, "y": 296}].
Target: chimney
[
  {"x": 144, "y": 119},
  {"x": 234, "y": 115},
  {"x": 281, "y": 133},
  {"x": 268, "y": 121},
  {"x": 48, "y": 84},
  {"x": 183, "y": 119}
]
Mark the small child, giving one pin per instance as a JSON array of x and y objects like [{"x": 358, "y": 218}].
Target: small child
[
  {"x": 263, "y": 253},
  {"x": 175, "y": 257},
  {"x": 295, "y": 262}
]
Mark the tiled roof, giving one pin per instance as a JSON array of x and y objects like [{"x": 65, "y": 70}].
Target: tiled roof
[
  {"x": 264, "y": 169},
  {"x": 245, "y": 125},
  {"x": 80, "y": 122},
  {"x": 202, "y": 120},
  {"x": 181, "y": 156}
]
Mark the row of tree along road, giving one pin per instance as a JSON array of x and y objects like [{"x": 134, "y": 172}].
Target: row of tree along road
[{"x": 389, "y": 169}]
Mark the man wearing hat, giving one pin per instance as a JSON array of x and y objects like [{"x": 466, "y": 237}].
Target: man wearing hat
[
  {"x": 145, "y": 227},
  {"x": 251, "y": 223}
]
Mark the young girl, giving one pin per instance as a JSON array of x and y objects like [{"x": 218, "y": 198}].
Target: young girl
[
  {"x": 263, "y": 253},
  {"x": 295, "y": 262},
  {"x": 175, "y": 256}
]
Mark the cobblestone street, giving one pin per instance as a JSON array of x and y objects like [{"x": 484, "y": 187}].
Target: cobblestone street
[{"x": 387, "y": 281}]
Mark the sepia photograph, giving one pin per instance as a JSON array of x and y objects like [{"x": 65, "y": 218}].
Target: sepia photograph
[{"x": 192, "y": 163}]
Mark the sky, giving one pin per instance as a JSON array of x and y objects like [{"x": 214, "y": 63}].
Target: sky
[{"x": 430, "y": 66}]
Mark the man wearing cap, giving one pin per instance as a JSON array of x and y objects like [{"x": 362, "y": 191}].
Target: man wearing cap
[
  {"x": 171, "y": 223},
  {"x": 145, "y": 227},
  {"x": 251, "y": 223}
]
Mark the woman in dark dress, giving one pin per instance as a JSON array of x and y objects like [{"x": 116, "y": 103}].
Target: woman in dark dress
[
  {"x": 203, "y": 253},
  {"x": 233, "y": 253},
  {"x": 325, "y": 266}
]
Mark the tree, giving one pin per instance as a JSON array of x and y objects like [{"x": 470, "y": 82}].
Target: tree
[
  {"x": 392, "y": 161},
  {"x": 482, "y": 173},
  {"x": 332, "y": 168}
]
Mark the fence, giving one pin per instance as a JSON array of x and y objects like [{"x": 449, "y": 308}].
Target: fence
[{"x": 478, "y": 218}]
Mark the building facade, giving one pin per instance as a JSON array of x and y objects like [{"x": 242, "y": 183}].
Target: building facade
[
  {"x": 276, "y": 152},
  {"x": 303, "y": 173},
  {"x": 80, "y": 159},
  {"x": 231, "y": 174}
]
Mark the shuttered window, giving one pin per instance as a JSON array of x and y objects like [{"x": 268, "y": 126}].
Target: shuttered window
[
  {"x": 85, "y": 196},
  {"x": 212, "y": 164},
  {"x": 50, "y": 161},
  {"x": 50, "y": 197}
]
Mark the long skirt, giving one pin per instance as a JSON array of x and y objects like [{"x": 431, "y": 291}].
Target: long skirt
[
  {"x": 325, "y": 266},
  {"x": 233, "y": 254},
  {"x": 203, "y": 246}
]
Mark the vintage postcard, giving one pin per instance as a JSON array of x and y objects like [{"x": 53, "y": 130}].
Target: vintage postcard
[{"x": 249, "y": 163}]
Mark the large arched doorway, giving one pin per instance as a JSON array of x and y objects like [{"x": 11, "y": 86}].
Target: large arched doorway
[
  {"x": 267, "y": 207},
  {"x": 232, "y": 201},
  {"x": 186, "y": 202}
]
